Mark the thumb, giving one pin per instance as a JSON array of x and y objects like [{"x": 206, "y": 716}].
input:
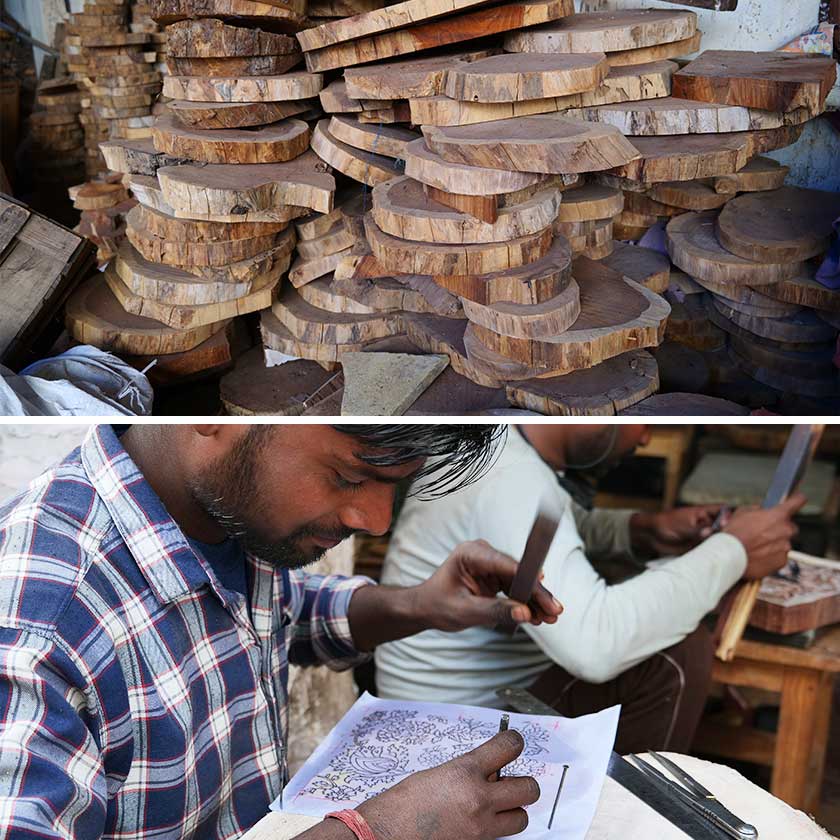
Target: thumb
[
  {"x": 499, "y": 751},
  {"x": 493, "y": 611}
]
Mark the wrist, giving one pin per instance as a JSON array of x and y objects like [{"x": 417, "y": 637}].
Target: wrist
[{"x": 643, "y": 527}]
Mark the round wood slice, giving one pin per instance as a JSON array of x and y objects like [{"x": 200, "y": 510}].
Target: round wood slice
[
  {"x": 605, "y": 32},
  {"x": 828, "y": 386},
  {"x": 171, "y": 285},
  {"x": 614, "y": 318},
  {"x": 402, "y": 209},
  {"x": 737, "y": 293},
  {"x": 689, "y": 324},
  {"x": 682, "y": 368},
  {"x": 578, "y": 229},
  {"x": 96, "y": 195},
  {"x": 185, "y": 316},
  {"x": 812, "y": 362},
  {"x": 658, "y": 52},
  {"x": 222, "y": 115},
  {"x": 271, "y": 144},
  {"x": 694, "y": 247},
  {"x": 213, "y": 38},
  {"x": 805, "y": 291},
  {"x": 547, "y": 143},
  {"x": 301, "y": 85},
  {"x": 338, "y": 238},
  {"x": 684, "y": 405},
  {"x": 590, "y": 201},
  {"x": 404, "y": 256},
  {"x": 386, "y": 140},
  {"x": 786, "y": 225},
  {"x": 671, "y": 115},
  {"x": 533, "y": 283},
  {"x": 185, "y": 230},
  {"x": 602, "y": 390},
  {"x": 689, "y": 195},
  {"x": 252, "y": 65},
  {"x": 413, "y": 77},
  {"x": 277, "y": 337},
  {"x": 429, "y": 168},
  {"x": 309, "y": 324},
  {"x": 236, "y": 192},
  {"x": 94, "y": 316},
  {"x": 362, "y": 166},
  {"x": 512, "y": 78},
  {"x": 636, "y": 202},
  {"x": 774, "y": 81},
  {"x": 534, "y": 320},
  {"x": 253, "y": 389},
  {"x": 382, "y": 294},
  {"x": 800, "y": 328},
  {"x": 595, "y": 244},
  {"x": 323, "y": 294},
  {"x": 184, "y": 253},
  {"x": 759, "y": 174},
  {"x": 645, "y": 266},
  {"x": 620, "y": 85},
  {"x": 210, "y": 358},
  {"x": 305, "y": 271},
  {"x": 171, "y": 11},
  {"x": 754, "y": 309}
]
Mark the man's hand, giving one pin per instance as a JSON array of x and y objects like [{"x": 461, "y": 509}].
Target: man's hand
[
  {"x": 671, "y": 532},
  {"x": 462, "y": 592},
  {"x": 766, "y": 535},
  {"x": 459, "y": 799}
]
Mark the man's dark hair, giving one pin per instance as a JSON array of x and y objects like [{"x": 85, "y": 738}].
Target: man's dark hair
[{"x": 458, "y": 454}]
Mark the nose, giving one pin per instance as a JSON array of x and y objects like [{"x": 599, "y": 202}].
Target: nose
[{"x": 371, "y": 509}]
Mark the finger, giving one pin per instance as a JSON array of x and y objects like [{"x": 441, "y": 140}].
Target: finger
[
  {"x": 512, "y": 822},
  {"x": 494, "y": 754},
  {"x": 514, "y": 792},
  {"x": 793, "y": 503},
  {"x": 547, "y": 606},
  {"x": 482, "y": 560}
]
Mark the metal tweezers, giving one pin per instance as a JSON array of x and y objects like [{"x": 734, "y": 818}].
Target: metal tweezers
[{"x": 696, "y": 796}]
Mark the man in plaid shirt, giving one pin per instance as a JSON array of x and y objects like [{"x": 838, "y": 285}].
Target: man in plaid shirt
[{"x": 151, "y": 601}]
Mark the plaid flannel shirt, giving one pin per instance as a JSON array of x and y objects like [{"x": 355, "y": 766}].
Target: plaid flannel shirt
[{"x": 138, "y": 697}]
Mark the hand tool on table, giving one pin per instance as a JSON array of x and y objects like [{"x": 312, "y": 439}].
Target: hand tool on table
[
  {"x": 672, "y": 808},
  {"x": 699, "y": 798}
]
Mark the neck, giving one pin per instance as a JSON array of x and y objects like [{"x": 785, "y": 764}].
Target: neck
[
  {"x": 548, "y": 441},
  {"x": 156, "y": 452}
]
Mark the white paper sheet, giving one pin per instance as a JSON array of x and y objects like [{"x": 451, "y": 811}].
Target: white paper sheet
[{"x": 380, "y": 742}]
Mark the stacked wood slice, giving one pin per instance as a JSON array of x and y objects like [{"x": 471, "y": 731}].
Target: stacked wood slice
[
  {"x": 103, "y": 205},
  {"x": 115, "y": 69},
  {"x": 57, "y": 135},
  {"x": 754, "y": 261}
]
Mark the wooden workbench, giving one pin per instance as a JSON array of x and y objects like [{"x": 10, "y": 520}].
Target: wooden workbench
[{"x": 620, "y": 816}]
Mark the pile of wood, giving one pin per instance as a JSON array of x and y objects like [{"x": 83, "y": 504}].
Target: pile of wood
[
  {"x": 115, "y": 69},
  {"x": 103, "y": 205},
  {"x": 58, "y": 139},
  {"x": 225, "y": 172},
  {"x": 488, "y": 193}
]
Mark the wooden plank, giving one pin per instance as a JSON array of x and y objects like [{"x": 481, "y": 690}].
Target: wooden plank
[
  {"x": 547, "y": 144},
  {"x": 606, "y": 32},
  {"x": 12, "y": 218},
  {"x": 621, "y": 84},
  {"x": 694, "y": 247},
  {"x": 386, "y": 140},
  {"x": 602, "y": 390},
  {"x": 396, "y": 16},
  {"x": 674, "y": 49},
  {"x": 423, "y": 36},
  {"x": 773, "y": 81},
  {"x": 790, "y": 224}
]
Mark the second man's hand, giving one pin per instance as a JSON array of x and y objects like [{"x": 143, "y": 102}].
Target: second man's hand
[{"x": 461, "y": 593}]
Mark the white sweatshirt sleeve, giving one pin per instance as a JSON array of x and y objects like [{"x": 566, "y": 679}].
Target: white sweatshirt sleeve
[{"x": 604, "y": 629}]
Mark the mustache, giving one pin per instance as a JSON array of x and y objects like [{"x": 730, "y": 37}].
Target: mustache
[{"x": 338, "y": 534}]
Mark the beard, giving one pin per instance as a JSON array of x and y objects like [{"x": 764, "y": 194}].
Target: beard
[{"x": 227, "y": 489}]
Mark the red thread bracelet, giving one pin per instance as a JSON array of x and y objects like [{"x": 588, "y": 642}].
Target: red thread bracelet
[{"x": 355, "y": 822}]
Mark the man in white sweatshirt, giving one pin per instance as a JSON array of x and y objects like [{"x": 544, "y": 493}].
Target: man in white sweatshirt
[{"x": 639, "y": 643}]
